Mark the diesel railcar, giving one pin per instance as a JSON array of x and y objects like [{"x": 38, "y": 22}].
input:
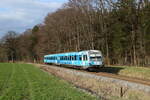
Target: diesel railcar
[{"x": 83, "y": 59}]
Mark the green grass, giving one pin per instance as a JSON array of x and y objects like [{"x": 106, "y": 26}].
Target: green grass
[
  {"x": 26, "y": 82},
  {"x": 137, "y": 72}
]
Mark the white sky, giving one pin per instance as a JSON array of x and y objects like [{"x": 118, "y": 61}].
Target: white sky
[{"x": 19, "y": 15}]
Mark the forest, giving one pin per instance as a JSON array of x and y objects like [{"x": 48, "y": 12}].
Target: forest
[{"x": 120, "y": 29}]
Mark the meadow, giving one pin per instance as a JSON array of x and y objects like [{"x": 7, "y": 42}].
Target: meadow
[
  {"x": 133, "y": 71},
  {"x": 26, "y": 82}
]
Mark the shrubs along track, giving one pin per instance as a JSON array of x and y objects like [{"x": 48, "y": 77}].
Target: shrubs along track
[
  {"x": 26, "y": 82},
  {"x": 102, "y": 87}
]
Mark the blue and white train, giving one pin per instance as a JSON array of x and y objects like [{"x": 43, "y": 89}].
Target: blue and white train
[{"x": 83, "y": 59}]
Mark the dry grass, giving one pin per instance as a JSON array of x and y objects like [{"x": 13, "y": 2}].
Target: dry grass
[
  {"x": 103, "y": 89},
  {"x": 137, "y": 72}
]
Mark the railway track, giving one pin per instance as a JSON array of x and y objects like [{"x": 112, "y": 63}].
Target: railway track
[
  {"x": 110, "y": 75},
  {"x": 121, "y": 77}
]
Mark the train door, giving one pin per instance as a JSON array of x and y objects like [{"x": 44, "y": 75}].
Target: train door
[{"x": 85, "y": 60}]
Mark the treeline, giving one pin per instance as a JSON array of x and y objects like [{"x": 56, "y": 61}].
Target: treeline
[{"x": 119, "y": 28}]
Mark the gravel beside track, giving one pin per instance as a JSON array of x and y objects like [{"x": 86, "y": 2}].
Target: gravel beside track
[{"x": 132, "y": 83}]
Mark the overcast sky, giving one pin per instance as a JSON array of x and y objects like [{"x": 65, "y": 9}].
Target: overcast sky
[{"x": 19, "y": 15}]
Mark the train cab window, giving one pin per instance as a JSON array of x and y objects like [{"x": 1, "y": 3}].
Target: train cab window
[{"x": 70, "y": 58}]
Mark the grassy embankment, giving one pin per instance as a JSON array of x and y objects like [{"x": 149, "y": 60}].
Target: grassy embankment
[
  {"x": 131, "y": 71},
  {"x": 25, "y": 82}
]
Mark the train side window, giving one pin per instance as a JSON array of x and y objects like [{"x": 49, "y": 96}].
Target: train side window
[
  {"x": 80, "y": 58},
  {"x": 84, "y": 57},
  {"x": 75, "y": 57},
  {"x": 65, "y": 57}
]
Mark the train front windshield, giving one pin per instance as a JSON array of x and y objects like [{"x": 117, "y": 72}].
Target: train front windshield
[{"x": 96, "y": 58}]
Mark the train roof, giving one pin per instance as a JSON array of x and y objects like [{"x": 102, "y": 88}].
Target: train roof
[{"x": 73, "y": 52}]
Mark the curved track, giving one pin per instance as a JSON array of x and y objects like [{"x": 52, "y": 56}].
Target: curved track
[
  {"x": 111, "y": 74},
  {"x": 126, "y": 78}
]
